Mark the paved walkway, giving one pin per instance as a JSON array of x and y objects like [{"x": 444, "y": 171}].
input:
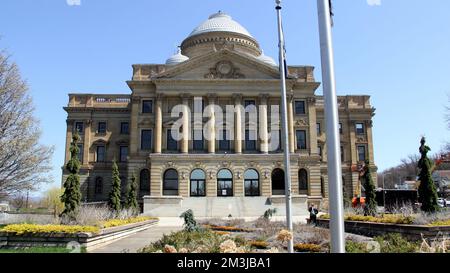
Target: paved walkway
[{"x": 141, "y": 239}]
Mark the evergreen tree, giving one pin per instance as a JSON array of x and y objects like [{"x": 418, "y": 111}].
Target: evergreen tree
[
  {"x": 427, "y": 189},
  {"x": 72, "y": 193},
  {"x": 114, "y": 195},
  {"x": 131, "y": 200},
  {"x": 370, "y": 207}
]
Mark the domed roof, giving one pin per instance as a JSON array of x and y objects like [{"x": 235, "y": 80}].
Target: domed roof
[
  {"x": 177, "y": 58},
  {"x": 220, "y": 22},
  {"x": 266, "y": 59}
]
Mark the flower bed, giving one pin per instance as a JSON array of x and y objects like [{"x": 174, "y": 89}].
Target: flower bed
[
  {"x": 227, "y": 228},
  {"x": 385, "y": 218},
  {"x": 440, "y": 223},
  {"x": 19, "y": 229},
  {"x": 122, "y": 222},
  {"x": 259, "y": 244},
  {"x": 307, "y": 248}
]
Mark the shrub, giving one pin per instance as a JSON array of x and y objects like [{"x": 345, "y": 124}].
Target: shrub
[
  {"x": 395, "y": 243},
  {"x": 121, "y": 222},
  {"x": 355, "y": 247},
  {"x": 269, "y": 213},
  {"x": 189, "y": 221},
  {"x": 227, "y": 228},
  {"x": 259, "y": 244},
  {"x": 32, "y": 228},
  {"x": 440, "y": 223},
  {"x": 307, "y": 248}
]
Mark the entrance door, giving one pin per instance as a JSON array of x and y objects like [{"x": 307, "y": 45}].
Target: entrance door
[
  {"x": 224, "y": 183},
  {"x": 278, "y": 187}
]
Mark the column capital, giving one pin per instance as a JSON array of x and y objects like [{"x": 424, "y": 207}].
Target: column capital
[
  {"x": 237, "y": 97},
  {"x": 136, "y": 99},
  {"x": 159, "y": 96},
  {"x": 290, "y": 96},
  {"x": 311, "y": 100},
  {"x": 211, "y": 97},
  {"x": 88, "y": 121},
  {"x": 264, "y": 97}
]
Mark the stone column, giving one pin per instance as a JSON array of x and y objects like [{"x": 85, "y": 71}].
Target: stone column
[
  {"x": 212, "y": 124},
  {"x": 264, "y": 144},
  {"x": 87, "y": 141},
  {"x": 186, "y": 127},
  {"x": 158, "y": 124},
  {"x": 290, "y": 98},
  {"x": 238, "y": 123},
  {"x": 312, "y": 126},
  {"x": 69, "y": 133},
  {"x": 369, "y": 125},
  {"x": 134, "y": 130}
]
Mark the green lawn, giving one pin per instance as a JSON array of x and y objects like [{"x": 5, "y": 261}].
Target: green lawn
[{"x": 39, "y": 250}]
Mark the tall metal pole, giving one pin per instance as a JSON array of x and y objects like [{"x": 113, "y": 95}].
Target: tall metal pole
[
  {"x": 332, "y": 120},
  {"x": 284, "y": 124}
]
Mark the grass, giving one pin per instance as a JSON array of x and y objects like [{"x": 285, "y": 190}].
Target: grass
[{"x": 39, "y": 250}]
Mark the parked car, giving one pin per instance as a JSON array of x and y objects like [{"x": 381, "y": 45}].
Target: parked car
[{"x": 442, "y": 202}]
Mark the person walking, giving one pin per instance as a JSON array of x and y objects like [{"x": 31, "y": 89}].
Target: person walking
[{"x": 313, "y": 214}]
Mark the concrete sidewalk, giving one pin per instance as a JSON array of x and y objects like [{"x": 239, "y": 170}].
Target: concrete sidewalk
[{"x": 133, "y": 243}]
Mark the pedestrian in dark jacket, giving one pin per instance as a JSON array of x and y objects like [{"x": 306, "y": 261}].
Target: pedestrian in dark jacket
[{"x": 313, "y": 214}]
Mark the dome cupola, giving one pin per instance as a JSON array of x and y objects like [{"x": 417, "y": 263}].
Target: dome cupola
[
  {"x": 219, "y": 32},
  {"x": 177, "y": 58}
]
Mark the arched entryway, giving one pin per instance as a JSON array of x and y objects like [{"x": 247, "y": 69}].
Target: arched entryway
[
  {"x": 278, "y": 186},
  {"x": 303, "y": 181},
  {"x": 251, "y": 183},
  {"x": 198, "y": 183},
  {"x": 170, "y": 182},
  {"x": 224, "y": 183}
]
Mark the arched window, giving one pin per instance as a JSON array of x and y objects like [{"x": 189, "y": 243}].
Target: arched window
[
  {"x": 198, "y": 183},
  {"x": 224, "y": 183},
  {"x": 144, "y": 183},
  {"x": 98, "y": 186},
  {"x": 278, "y": 186},
  {"x": 170, "y": 182},
  {"x": 303, "y": 181},
  {"x": 251, "y": 182}
]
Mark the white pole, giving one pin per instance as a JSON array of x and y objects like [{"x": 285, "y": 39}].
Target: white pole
[
  {"x": 332, "y": 131},
  {"x": 284, "y": 123}
]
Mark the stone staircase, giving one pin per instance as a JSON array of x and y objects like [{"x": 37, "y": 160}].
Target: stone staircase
[{"x": 238, "y": 207}]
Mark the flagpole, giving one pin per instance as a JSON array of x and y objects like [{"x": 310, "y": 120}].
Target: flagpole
[
  {"x": 285, "y": 133},
  {"x": 332, "y": 131}
]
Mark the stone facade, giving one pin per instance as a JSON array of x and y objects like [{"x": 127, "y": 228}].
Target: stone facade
[{"x": 222, "y": 68}]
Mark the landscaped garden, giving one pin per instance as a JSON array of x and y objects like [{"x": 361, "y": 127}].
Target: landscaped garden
[{"x": 266, "y": 236}]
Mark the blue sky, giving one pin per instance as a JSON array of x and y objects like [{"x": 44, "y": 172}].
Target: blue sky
[{"x": 397, "y": 52}]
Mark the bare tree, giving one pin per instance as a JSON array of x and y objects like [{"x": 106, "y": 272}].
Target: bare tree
[{"x": 24, "y": 162}]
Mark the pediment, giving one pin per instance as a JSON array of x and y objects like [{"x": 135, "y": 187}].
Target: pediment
[{"x": 224, "y": 64}]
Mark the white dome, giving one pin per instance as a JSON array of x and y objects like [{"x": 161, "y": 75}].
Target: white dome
[
  {"x": 220, "y": 22},
  {"x": 177, "y": 58},
  {"x": 266, "y": 59}
]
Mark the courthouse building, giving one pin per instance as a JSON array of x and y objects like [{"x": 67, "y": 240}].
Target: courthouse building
[{"x": 231, "y": 172}]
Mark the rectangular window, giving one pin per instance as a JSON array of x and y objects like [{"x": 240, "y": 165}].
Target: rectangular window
[
  {"x": 249, "y": 102},
  {"x": 300, "y": 107},
  {"x": 101, "y": 127},
  {"x": 342, "y": 154},
  {"x": 146, "y": 140},
  {"x": 319, "y": 150},
  {"x": 198, "y": 143},
  {"x": 172, "y": 144},
  {"x": 359, "y": 128},
  {"x": 80, "y": 152},
  {"x": 340, "y": 128},
  {"x": 124, "y": 128},
  {"x": 101, "y": 153},
  {"x": 147, "y": 106},
  {"x": 79, "y": 127},
  {"x": 224, "y": 142},
  {"x": 319, "y": 130},
  {"x": 250, "y": 140},
  {"x": 301, "y": 139},
  {"x": 123, "y": 153},
  {"x": 361, "y": 153}
]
